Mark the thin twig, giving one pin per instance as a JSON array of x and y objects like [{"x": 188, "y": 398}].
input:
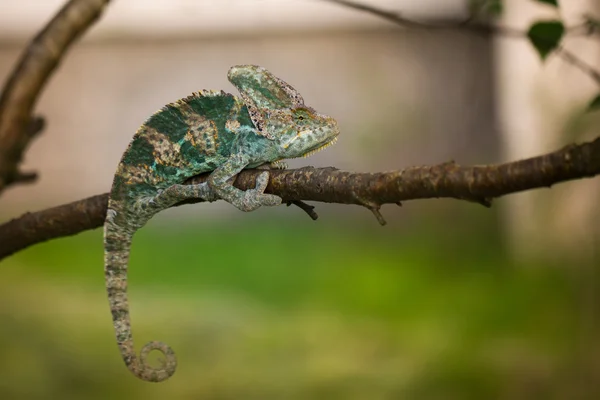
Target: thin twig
[
  {"x": 307, "y": 208},
  {"x": 579, "y": 63},
  {"x": 479, "y": 28},
  {"x": 447, "y": 180},
  {"x": 391, "y": 16}
]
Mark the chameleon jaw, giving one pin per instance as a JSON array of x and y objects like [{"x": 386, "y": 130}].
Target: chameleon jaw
[{"x": 326, "y": 145}]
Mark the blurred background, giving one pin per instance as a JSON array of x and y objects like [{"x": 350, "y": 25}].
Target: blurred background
[{"x": 448, "y": 301}]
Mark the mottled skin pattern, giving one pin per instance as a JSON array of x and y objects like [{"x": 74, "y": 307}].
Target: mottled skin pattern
[{"x": 207, "y": 131}]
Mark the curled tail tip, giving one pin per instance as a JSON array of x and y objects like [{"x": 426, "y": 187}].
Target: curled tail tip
[{"x": 153, "y": 374}]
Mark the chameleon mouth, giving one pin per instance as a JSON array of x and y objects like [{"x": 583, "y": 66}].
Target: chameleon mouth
[{"x": 322, "y": 147}]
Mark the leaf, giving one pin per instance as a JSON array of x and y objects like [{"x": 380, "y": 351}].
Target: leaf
[
  {"x": 545, "y": 36},
  {"x": 495, "y": 7},
  {"x": 594, "y": 104},
  {"x": 551, "y": 2}
]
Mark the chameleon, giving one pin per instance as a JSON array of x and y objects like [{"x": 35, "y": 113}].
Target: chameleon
[{"x": 207, "y": 131}]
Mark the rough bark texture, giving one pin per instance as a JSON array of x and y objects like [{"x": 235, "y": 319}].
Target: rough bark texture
[{"x": 448, "y": 180}]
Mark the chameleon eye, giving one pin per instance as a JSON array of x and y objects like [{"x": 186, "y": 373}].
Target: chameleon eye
[{"x": 301, "y": 118}]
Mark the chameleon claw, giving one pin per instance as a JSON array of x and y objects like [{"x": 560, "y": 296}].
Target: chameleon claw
[{"x": 262, "y": 180}]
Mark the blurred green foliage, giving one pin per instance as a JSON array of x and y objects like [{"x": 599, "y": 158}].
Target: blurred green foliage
[{"x": 261, "y": 308}]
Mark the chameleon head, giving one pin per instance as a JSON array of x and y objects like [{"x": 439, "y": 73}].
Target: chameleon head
[
  {"x": 278, "y": 112},
  {"x": 301, "y": 131}
]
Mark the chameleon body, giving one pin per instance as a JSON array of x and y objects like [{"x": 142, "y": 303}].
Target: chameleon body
[{"x": 206, "y": 131}]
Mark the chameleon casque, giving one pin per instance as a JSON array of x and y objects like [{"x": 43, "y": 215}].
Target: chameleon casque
[{"x": 206, "y": 131}]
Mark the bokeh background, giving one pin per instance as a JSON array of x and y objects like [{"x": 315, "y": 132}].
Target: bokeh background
[{"x": 448, "y": 301}]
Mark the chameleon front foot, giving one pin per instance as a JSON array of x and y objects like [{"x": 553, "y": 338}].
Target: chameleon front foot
[
  {"x": 273, "y": 165},
  {"x": 255, "y": 198}
]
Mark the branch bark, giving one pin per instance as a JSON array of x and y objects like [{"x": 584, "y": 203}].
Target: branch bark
[
  {"x": 448, "y": 180},
  {"x": 37, "y": 63}
]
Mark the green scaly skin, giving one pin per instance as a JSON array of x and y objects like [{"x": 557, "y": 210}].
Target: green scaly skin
[{"x": 207, "y": 131}]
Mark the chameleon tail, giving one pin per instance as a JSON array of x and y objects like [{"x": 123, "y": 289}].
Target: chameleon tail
[{"x": 117, "y": 244}]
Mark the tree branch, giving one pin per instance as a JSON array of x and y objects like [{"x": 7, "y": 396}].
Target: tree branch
[
  {"x": 20, "y": 92},
  {"x": 478, "y": 184}
]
